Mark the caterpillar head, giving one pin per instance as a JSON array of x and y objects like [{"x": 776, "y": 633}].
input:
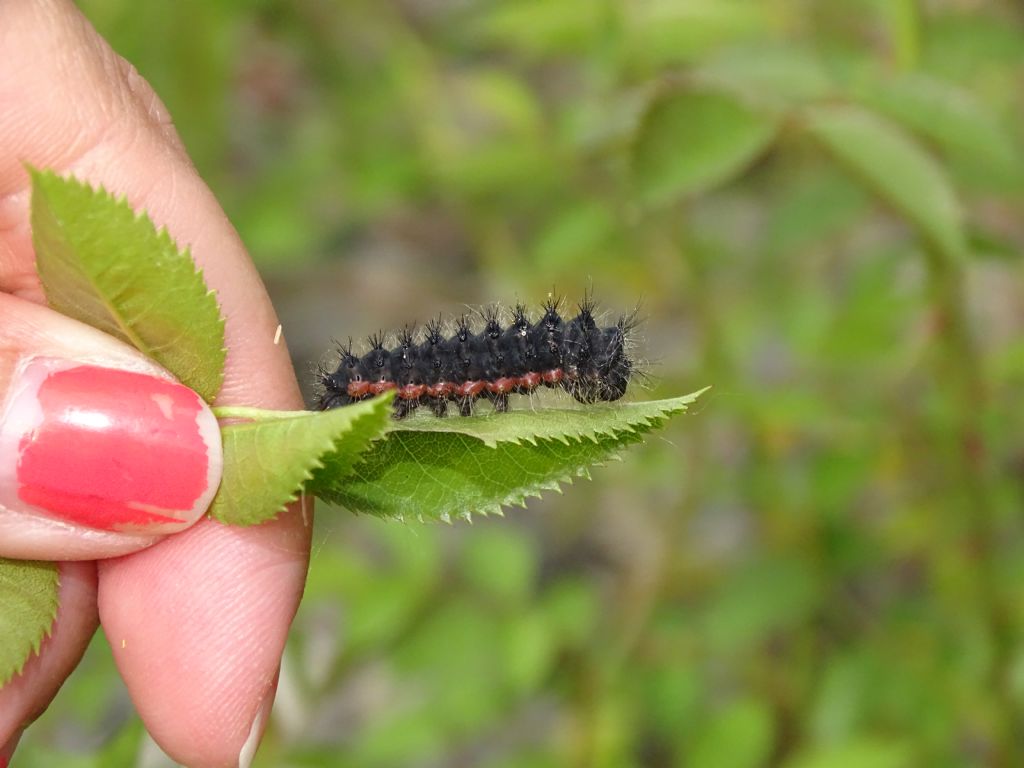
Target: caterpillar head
[{"x": 602, "y": 366}]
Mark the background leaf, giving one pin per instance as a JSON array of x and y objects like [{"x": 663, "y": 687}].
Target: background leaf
[
  {"x": 691, "y": 141},
  {"x": 439, "y": 470},
  {"x": 865, "y": 753},
  {"x": 28, "y": 607},
  {"x": 267, "y": 462},
  {"x": 951, "y": 118},
  {"x": 772, "y": 75},
  {"x": 102, "y": 264},
  {"x": 668, "y": 31},
  {"x": 897, "y": 169}
]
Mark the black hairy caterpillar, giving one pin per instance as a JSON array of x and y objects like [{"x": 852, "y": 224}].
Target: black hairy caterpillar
[{"x": 589, "y": 362}]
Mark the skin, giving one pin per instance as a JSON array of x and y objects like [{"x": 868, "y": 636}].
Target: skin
[{"x": 197, "y": 621}]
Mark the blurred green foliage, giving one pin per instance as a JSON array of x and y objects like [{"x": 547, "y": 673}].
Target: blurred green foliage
[{"x": 820, "y": 203}]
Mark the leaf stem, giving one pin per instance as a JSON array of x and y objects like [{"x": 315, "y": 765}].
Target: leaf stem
[
  {"x": 959, "y": 370},
  {"x": 254, "y": 414}
]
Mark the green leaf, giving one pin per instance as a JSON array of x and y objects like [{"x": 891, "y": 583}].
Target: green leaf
[
  {"x": 661, "y": 32},
  {"x": 268, "y": 461},
  {"x": 897, "y": 169},
  {"x": 740, "y": 736},
  {"x": 575, "y": 233},
  {"x": 692, "y": 141},
  {"x": 102, "y": 264},
  {"x": 549, "y": 423},
  {"x": 444, "y": 468},
  {"x": 951, "y": 117},
  {"x": 501, "y": 562},
  {"x": 857, "y": 753},
  {"x": 775, "y": 75},
  {"x": 760, "y": 600},
  {"x": 540, "y": 27},
  {"x": 28, "y": 608}
]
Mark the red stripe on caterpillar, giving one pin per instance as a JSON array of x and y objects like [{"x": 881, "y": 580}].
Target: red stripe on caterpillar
[{"x": 590, "y": 362}]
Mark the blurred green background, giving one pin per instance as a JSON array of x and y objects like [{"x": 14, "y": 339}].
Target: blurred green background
[{"x": 819, "y": 203}]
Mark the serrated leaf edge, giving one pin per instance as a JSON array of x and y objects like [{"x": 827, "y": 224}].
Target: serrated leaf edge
[
  {"x": 299, "y": 490},
  {"x": 557, "y": 483},
  {"x": 36, "y": 645},
  {"x": 162, "y": 234},
  {"x": 665, "y": 409}
]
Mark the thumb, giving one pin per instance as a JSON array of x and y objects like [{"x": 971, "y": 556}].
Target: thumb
[{"x": 101, "y": 452}]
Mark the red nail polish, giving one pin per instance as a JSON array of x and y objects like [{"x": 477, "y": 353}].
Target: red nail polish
[{"x": 107, "y": 449}]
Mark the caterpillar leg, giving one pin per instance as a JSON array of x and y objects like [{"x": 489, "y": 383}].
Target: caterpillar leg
[
  {"x": 403, "y": 407},
  {"x": 333, "y": 400}
]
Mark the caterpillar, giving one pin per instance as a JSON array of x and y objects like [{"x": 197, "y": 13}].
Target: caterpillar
[{"x": 432, "y": 369}]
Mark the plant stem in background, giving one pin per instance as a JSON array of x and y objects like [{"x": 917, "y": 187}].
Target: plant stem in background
[{"x": 960, "y": 375}]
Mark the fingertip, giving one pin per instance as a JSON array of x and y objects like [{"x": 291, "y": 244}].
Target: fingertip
[
  {"x": 198, "y": 624},
  {"x": 259, "y": 725}
]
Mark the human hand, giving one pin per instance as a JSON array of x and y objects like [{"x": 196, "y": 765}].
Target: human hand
[{"x": 197, "y": 623}]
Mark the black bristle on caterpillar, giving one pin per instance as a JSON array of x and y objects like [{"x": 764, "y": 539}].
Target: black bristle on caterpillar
[{"x": 589, "y": 362}]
